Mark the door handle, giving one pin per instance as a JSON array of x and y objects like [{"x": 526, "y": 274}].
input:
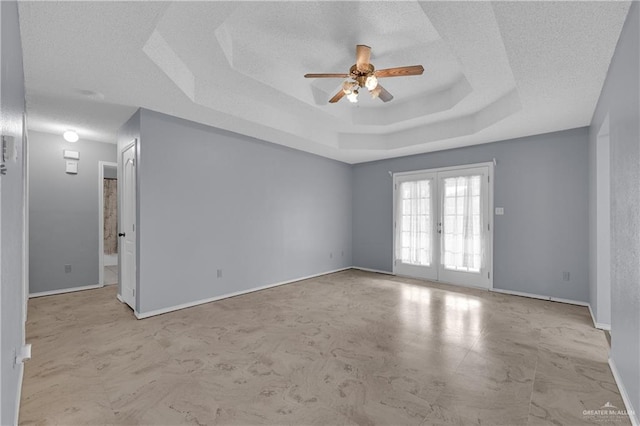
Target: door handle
[{"x": 121, "y": 234}]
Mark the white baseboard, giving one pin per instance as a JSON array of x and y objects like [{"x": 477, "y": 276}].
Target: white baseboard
[
  {"x": 519, "y": 293},
  {"x": 597, "y": 324},
  {"x": 538, "y": 296},
  {"x": 64, "y": 290},
  {"x": 377, "y": 271},
  {"x": 569, "y": 301},
  {"x": 633, "y": 415},
  {"x": 142, "y": 315},
  {"x": 119, "y": 298},
  {"x": 19, "y": 392}
]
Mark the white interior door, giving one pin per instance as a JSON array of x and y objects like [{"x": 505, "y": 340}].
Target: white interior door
[
  {"x": 127, "y": 232},
  {"x": 443, "y": 225}
]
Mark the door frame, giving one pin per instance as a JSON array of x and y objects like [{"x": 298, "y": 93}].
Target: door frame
[
  {"x": 25, "y": 215},
  {"x": 490, "y": 219},
  {"x": 101, "y": 166},
  {"x": 603, "y": 225}
]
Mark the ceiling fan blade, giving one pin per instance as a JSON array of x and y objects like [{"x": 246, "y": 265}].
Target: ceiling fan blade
[
  {"x": 363, "y": 55},
  {"x": 326, "y": 75},
  {"x": 400, "y": 71},
  {"x": 337, "y": 97},
  {"x": 383, "y": 94}
]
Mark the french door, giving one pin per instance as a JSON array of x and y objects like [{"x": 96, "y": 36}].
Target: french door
[{"x": 442, "y": 225}]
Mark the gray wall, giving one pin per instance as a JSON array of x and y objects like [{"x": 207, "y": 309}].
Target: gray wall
[
  {"x": 12, "y": 204},
  {"x": 63, "y": 212},
  {"x": 211, "y": 199},
  {"x": 541, "y": 181},
  {"x": 620, "y": 98},
  {"x": 111, "y": 172}
]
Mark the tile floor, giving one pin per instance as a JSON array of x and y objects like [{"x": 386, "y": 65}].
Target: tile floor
[
  {"x": 111, "y": 275},
  {"x": 346, "y": 348}
]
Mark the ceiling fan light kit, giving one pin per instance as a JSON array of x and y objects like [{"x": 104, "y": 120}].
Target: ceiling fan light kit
[
  {"x": 371, "y": 83},
  {"x": 363, "y": 74}
]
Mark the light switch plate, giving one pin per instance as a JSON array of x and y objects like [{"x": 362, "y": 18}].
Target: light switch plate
[
  {"x": 71, "y": 155},
  {"x": 499, "y": 211}
]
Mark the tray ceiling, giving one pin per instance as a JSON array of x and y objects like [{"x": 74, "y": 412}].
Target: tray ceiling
[{"x": 493, "y": 71}]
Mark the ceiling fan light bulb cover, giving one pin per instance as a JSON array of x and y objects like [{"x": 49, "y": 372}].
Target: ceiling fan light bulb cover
[
  {"x": 353, "y": 97},
  {"x": 348, "y": 87},
  {"x": 371, "y": 83}
]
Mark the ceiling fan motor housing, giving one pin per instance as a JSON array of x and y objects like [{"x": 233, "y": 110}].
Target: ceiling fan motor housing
[{"x": 360, "y": 75}]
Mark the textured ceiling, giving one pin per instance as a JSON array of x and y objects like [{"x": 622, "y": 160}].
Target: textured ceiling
[{"x": 493, "y": 70}]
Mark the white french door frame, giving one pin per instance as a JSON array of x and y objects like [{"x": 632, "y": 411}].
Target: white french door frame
[{"x": 488, "y": 260}]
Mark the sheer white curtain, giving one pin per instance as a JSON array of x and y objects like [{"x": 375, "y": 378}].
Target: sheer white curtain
[
  {"x": 414, "y": 223},
  {"x": 462, "y": 243}
]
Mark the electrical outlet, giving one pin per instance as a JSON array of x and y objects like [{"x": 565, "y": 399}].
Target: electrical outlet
[
  {"x": 67, "y": 268},
  {"x": 565, "y": 276},
  {"x": 219, "y": 273}
]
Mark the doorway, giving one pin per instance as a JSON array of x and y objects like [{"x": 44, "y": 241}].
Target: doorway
[
  {"x": 442, "y": 225},
  {"x": 108, "y": 224}
]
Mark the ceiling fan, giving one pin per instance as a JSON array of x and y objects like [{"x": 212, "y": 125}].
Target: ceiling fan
[{"x": 363, "y": 74}]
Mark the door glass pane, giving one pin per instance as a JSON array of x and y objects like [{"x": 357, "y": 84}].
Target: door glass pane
[
  {"x": 462, "y": 224},
  {"x": 415, "y": 222}
]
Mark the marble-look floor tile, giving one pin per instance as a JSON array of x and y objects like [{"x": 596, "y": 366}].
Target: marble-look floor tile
[
  {"x": 110, "y": 275},
  {"x": 345, "y": 348},
  {"x": 489, "y": 387},
  {"x": 67, "y": 391},
  {"x": 567, "y": 386},
  {"x": 76, "y": 407}
]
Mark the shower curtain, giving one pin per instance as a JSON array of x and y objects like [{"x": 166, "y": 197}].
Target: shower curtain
[{"x": 110, "y": 216}]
